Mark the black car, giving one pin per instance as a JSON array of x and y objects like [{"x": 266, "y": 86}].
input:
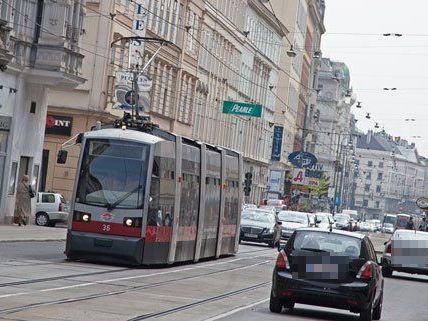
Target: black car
[
  {"x": 260, "y": 226},
  {"x": 335, "y": 269}
]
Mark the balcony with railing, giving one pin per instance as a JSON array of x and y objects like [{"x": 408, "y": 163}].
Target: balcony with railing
[
  {"x": 5, "y": 54},
  {"x": 45, "y": 46}
]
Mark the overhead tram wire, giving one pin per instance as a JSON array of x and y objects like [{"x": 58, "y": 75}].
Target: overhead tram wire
[{"x": 196, "y": 40}]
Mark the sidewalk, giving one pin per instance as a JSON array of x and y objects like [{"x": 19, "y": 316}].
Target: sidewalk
[{"x": 31, "y": 233}]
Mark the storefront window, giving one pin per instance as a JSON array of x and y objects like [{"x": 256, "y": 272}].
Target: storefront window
[
  {"x": 35, "y": 178},
  {"x": 12, "y": 179},
  {"x": 3, "y": 141}
]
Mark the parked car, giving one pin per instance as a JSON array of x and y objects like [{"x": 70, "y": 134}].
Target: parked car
[
  {"x": 402, "y": 220},
  {"x": 377, "y": 225},
  {"x": 278, "y": 204},
  {"x": 323, "y": 220},
  {"x": 388, "y": 228},
  {"x": 51, "y": 208},
  {"x": 335, "y": 269},
  {"x": 406, "y": 251},
  {"x": 367, "y": 226},
  {"x": 260, "y": 226},
  {"x": 245, "y": 206},
  {"x": 291, "y": 221},
  {"x": 343, "y": 222}
]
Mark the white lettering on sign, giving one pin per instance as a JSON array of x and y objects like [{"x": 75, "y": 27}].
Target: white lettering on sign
[
  {"x": 242, "y": 109},
  {"x": 62, "y": 123}
]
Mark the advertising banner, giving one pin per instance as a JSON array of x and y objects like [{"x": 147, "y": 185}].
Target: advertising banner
[
  {"x": 277, "y": 143},
  {"x": 275, "y": 181}
]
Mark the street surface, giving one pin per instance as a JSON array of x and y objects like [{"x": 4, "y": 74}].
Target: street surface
[{"x": 36, "y": 283}]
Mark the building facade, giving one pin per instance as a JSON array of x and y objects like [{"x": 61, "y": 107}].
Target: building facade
[
  {"x": 239, "y": 62},
  {"x": 39, "y": 50},
  {"x": 390, "y": 176},
  {"x": 334, "y": 123}
]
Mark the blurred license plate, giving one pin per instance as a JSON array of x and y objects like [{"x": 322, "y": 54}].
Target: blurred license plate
[
  {"x": 253, "y": 236},
  {"x": 322, "y": 268}
]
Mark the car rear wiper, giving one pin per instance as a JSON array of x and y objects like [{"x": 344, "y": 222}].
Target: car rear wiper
[{"x": 313, "y": 250}]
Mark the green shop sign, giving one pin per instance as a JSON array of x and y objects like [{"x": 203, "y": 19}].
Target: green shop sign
[{"x": 243, "y": 109}]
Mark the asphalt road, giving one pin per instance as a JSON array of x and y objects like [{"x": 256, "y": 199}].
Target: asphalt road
[{"x": 36, "y": 283}]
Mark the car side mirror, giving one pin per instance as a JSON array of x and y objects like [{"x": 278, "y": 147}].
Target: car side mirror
[
  {"x": 279, "y": 223},
  {"x": 62, "y": 156},
  {"x": 385, "y": 243},
  {"x": 318, "y": 221}
]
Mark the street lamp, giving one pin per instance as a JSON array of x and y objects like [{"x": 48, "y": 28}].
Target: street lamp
[
  {"x": 392, "y": 34},
  {"x": 291, "y": 52}
]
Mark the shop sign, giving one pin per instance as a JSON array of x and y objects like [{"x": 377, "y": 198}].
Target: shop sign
[
  {"x": 5, "y": 123},
  {"x": 277, "y": 143},
  {"x": 58, "y": 125},
  {"x": 302, "y": 159},
  {"x": 275, "y": 181}
]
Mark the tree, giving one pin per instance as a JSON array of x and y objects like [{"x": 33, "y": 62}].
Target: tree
[{"x": 322, "y": 188}]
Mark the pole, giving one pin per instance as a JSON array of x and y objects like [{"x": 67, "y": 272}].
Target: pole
[
  {"x": 335, "y": 174},
  {"x": 135, "y": 90}
]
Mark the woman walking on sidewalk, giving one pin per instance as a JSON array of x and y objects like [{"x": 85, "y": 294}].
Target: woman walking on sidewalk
[{"x": 23, "y": 201}]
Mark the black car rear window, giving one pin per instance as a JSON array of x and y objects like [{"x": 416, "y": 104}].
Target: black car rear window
[{"x": 335, "y": 244}]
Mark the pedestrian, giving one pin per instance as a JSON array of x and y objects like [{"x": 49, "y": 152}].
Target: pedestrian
[
  {"x": 24, "y": 194},
  {"x": 423, "y": 225},
  {"x": 410, "y": 224}
]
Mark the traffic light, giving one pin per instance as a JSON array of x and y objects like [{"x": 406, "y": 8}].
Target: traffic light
[{"x": 247, "y": 183}]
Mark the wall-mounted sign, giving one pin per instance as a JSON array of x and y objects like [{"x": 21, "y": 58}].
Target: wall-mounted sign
[
  {"x": 5, "y": 123},
  {"x": 59, "y": 125},
  {"x": 302, "y": 159},
  {"x": 124, "y": 93},
  {"x": 241, "y": 108},
  {"x": 277, "y": 143},
  {"x": 275, "y": 181}
]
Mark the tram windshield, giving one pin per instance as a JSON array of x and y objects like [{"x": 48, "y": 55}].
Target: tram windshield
[{"x": 113, "y": 174}]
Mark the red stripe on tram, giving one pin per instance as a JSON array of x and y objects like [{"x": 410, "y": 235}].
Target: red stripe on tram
[
  {"x": 229, "y": 230},
  {"x": 158, "y": 234},
  {"x": 106, "y": 228}
]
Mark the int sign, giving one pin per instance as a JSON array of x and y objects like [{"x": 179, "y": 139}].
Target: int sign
[{"x": 243, "y": 109}]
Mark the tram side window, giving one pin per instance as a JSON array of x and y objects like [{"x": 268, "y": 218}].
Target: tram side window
[{"x": 162, "y": 189}]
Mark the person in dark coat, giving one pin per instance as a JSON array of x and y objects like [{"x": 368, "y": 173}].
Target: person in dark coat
[{"x": 23, "y": 201}]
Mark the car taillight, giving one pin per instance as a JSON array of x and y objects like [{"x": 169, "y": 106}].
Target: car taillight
[
  {"x": 366, "y": 272},
  {"x": 388, "y": 249},
  {"x": 282, "y": 261}
]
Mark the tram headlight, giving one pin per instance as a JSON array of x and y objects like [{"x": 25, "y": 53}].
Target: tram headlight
[
  {"x": 129, "y": 222},
  {"x": 81, "y": 217}
]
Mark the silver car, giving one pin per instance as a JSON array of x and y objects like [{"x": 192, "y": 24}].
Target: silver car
[
  {"x": 406, "y": 251},
  {"x": 51, "y": 208},
  {"x": 291, "y": 221}
]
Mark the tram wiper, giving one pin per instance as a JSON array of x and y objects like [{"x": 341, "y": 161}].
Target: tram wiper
[{"x": 111, "y": 207}]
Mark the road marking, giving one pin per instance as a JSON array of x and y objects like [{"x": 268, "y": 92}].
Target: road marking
[
  {"x": 226, "y": 314},
  {"x": 133, "y": 277}
]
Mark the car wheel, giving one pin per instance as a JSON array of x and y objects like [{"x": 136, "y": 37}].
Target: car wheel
[
  {"x": 289, "y": 305},
  {"x": 275, "y": 304},
  {"x": 367, "y": 314},
  {"x": 377, "y": 311},
  {"x": 42, "y": 219},
  {"x": 386, "y": 271}
]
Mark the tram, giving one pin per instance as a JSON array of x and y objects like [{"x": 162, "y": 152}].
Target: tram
[{"x": 144, "y": 196}]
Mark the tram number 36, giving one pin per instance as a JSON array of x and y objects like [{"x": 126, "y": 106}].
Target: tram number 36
[{"x": 106, "y": 227}]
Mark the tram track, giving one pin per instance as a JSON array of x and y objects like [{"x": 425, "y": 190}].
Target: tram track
[
  {"x": 200, "y": 302},
  {"x": 70, "y": 276},
  {"x": 131, "y": 289}
]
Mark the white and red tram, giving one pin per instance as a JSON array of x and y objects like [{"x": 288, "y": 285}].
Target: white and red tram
[{"x": 153, "y": 198}]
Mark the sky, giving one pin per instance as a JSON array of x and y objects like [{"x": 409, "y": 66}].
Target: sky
[{"x": 354, "y": 36}]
